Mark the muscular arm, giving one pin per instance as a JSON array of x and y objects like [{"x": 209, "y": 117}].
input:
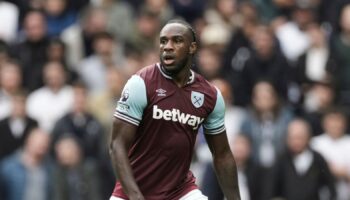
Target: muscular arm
[
  {"x": 224, "y": 165},
  {"x": 123, "y": 135}
]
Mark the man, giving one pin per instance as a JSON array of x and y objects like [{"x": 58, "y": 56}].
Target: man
[
  {"x": 301, "y": 173},
  {"x": 26, "y": 174},
  {"x": 156, "y": 123},
  {"x": 15, "y": 128}
]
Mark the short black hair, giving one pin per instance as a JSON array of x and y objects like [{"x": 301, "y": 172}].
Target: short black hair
[{"x": 187, "y": 25}]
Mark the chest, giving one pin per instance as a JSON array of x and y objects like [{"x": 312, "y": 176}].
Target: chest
[{"x": 187, "y": 106}]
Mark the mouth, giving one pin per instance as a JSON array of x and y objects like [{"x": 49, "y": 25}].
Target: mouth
[{"x": 168, "y": 59}]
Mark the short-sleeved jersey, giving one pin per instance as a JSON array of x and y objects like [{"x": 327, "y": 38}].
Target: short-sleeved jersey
[{"x": 168, "y": 118}]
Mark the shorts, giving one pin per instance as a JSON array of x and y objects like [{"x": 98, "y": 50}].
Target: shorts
[{"x": 193, "y": 195}]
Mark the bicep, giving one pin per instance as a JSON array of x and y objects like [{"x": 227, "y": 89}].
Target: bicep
[
  {"x": 215, "y": 122},
  {"x": 123, "y": 133},
  {"x": 218, "y": 144}
]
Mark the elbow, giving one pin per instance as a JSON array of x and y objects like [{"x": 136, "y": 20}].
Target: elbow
[{"x": 112, "y": 148}]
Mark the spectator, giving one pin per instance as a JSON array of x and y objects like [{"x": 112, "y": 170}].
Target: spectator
[
  {"x": 31, "y": 53},
  {"x": 27, "y": 173},
  {"x": 238, "y": 51},
  {"x": 26, "y": 6},
  {"x": 52, "y": 101},
  {"x": 208, "y": 62},
  {"x": 16, "y": 127},
  {"x": 301, "y": 173},
  {"x": 334, "y": 146},
  {"x": 317, "y": 63},
  {"x": 264, "y": 62},
  {"x": 10, "y": 84},
  {"x": 341, "y": 49},
  {"x": 57, "y": 52},
  {"x": 190, "y": 10},
  {"x": 248, "y": 173},
  {"x": 75, "y": 178},
  {"x": 79, "y": 122},
  {"x": 144, "y": 35},
  {"x": 79, "y": 37},
  {"x": 162, "y": 8},
  {"x": 103, "y": 103},
  {"x": 224, "y": 14},
  {"x": 215, "y": 37},
  {"x": 58, "y": 17},
  {"x": 89, "y": 133},
  {"x": 295, "y": 30},
  {"x": 318, "y": 99},
  {"x": 234, "y": 115},
  {"x": 330, "y": 13},
  {"x": 120, "y": 17},
  {"x": 266, "y": 124},
  {"x": 9, "y": 13},
  {"x": 106, "y": 55}
]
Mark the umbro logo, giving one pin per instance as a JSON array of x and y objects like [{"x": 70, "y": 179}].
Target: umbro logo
[{"x": 161, "y": 92}]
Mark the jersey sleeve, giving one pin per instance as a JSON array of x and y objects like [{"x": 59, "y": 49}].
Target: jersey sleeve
[
  {"x": 215, "y": 122},
  {"x": 132, "y": 101}
]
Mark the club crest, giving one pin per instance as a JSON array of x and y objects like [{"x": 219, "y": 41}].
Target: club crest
[{"x": 197, "y": 99}]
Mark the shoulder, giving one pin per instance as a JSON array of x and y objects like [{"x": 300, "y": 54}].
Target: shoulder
[
  {"x": 11, "y": 162},
  {"x": 319, "y": 139},
  {"x": 202, "y": 85},
  {"x": 4, "y": 122},
  {"x": 204, "y": 82},
  {"x": 37, "y": 94},
  {"x": 148, "y": 72},
  {"x": 318, "y": 157},
  {"x": 31, "y": 121}
]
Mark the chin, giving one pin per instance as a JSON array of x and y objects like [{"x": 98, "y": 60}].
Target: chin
[{"x": 170, "y": 69}]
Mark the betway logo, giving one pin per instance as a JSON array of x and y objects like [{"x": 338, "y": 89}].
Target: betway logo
[{"x": 176, "y": 116}]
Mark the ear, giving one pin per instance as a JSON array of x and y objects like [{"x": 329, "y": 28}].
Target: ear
[{"x": 193, "y": 48}]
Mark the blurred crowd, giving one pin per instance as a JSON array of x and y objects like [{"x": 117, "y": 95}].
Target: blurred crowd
[{"x": 283, "y": 67}]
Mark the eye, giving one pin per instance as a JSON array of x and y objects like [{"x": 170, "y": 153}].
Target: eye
[
  {"x": 163, "y": 41},
  {"x": 178, "y": 40}
]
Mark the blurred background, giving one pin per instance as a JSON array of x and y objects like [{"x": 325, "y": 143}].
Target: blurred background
[{"x": 283, "y": 67}]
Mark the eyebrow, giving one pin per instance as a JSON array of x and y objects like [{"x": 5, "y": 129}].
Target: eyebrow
[{"x": 173, "y": 36}]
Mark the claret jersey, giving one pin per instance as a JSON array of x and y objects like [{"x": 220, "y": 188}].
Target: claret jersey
[{"x": 168, "y": 118}]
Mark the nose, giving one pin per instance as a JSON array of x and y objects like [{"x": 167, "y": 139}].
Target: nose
[{"x": 168, "y": 46}]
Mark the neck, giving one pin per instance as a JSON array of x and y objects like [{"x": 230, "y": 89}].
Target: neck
[
  {"x": 180, "y": 78},
  {"x": 55, "y": 89}
]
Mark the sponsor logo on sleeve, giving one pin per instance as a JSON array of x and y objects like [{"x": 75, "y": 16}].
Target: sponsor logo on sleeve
[
  {"x": 125, "y": 95},
  {"x": 122, "y": 105}
]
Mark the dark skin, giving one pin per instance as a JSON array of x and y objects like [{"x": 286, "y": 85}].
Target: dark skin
[{"x": 176, "y": 51}]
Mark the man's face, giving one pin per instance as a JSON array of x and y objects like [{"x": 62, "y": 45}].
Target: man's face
[{"x": 176, "y": 47}]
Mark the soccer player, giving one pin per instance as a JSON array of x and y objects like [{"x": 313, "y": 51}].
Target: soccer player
[{"x": 156, "y": 124}]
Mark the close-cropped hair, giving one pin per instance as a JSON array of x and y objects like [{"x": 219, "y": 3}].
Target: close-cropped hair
[{"x": 187, "y": 25}]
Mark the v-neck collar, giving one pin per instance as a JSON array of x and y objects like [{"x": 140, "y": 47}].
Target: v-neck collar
[{"x": 190, "y": 80}]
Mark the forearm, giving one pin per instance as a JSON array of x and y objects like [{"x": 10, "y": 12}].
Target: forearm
[
  {"x": 122, "y": 168},
  {"x": 226, "y": 172},
  {"x": 123, "y": 135}
]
